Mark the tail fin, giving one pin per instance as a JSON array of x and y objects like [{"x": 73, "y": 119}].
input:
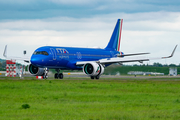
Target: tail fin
[{"x": 114, "y": 43}]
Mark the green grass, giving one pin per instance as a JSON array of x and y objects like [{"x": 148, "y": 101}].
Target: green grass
[{"x": 85, "y": 99}]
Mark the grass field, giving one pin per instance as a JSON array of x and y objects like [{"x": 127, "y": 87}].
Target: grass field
[{"x": 85, "y": 99}]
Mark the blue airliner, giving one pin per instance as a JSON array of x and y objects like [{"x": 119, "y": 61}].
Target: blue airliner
[{"x": 91, "y": 60}]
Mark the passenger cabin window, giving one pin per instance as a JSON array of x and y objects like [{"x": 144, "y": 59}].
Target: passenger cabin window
[{"x": 40, "y": 53}]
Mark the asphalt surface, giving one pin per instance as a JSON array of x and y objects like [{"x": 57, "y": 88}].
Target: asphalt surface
[
  {"x": 81, "y": 75},
  {"x": 121, "y": 76}
]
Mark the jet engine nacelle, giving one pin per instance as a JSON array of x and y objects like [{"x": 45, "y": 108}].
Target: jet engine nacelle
[
  {"x": 36, "y": 71},
  {"x": 93, "y": 69}
]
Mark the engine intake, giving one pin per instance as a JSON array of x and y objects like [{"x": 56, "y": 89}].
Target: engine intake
[
  {"x": 36, "y": 71},
  {"x": 93, "y": 69}
]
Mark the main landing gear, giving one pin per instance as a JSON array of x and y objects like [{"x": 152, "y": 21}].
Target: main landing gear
[
  {"x": 95, "y": 77},
  {"x": 58, "y": 75}
]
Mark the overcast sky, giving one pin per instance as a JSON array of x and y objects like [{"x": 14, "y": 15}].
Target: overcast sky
[{"x": 149, "y": 26}]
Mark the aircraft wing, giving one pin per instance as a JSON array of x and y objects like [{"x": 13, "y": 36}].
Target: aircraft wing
[
  {"x": 113, "y": 60},
  {"x": 124, "y": 60},
  {"x": 14, "y": 58}
]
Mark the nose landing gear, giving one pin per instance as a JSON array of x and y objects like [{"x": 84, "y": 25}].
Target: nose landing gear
[{"x": 45, "y": 76}]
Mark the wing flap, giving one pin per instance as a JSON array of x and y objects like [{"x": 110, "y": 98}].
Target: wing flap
[
  {"x": 122, "y": 60},
  {"x": 132, "y": 54}
]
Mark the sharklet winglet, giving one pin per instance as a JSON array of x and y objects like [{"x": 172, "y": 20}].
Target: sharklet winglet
[
  {"x": 5, "y": 51},
  {"x": 171, "y": 53}
]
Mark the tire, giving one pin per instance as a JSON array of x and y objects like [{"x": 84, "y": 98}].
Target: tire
[
  {"x": 60, "y": 76},
  {"x": 56, "y": 76},
  {"x": 92, "y": 77},
  {"x": 97, "y": 77}
]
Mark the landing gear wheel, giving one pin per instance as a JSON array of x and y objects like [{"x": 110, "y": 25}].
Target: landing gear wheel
[
  {"x": 97, "y": 77},
  {"x": 60, "y": 76},
  {"x": 45, "y": 77},
  {"x": 92, "y": 77},
  {"x": 56, "y": 76}
]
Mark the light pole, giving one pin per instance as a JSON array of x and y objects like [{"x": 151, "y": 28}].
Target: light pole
[{"x": 24, "y": 69}]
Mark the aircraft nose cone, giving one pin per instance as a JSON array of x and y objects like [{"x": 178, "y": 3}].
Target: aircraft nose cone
[
  {"x": 34, "y": 60},
  {"x": 37, "y": 61}
]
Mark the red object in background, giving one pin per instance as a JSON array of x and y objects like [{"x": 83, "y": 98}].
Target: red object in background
[
  {"x": 10, "y": 61},
  {"x": 39, "y": 77},
  {"x": 11, "y": 68}
]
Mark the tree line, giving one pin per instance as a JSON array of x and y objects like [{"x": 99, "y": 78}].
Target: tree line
[
  {"x": 155, "y": 67},
  {"x": 2, "y": 65},
  {"x": 156, "y": 64}
]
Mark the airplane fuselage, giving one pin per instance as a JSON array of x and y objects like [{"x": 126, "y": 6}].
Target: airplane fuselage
[{"x": 66, "y": 57}]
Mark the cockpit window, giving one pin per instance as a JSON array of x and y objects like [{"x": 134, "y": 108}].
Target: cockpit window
[{"x": 40, "y": 53}]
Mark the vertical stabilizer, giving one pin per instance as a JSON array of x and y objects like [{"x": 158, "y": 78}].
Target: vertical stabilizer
[{"x": 114, "y": 43}]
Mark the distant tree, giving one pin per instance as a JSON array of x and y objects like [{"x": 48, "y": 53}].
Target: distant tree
[
  {"x": 142, "y": 65},
  {"x": 0, "y": 65},
  {"x": 157, "y": 65},
  {"x": 4, "y": 64},
  {"x": 135, "y": 65},
  {"x": 172, "y": 65},
  {"x": 165, "y": 65}
]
